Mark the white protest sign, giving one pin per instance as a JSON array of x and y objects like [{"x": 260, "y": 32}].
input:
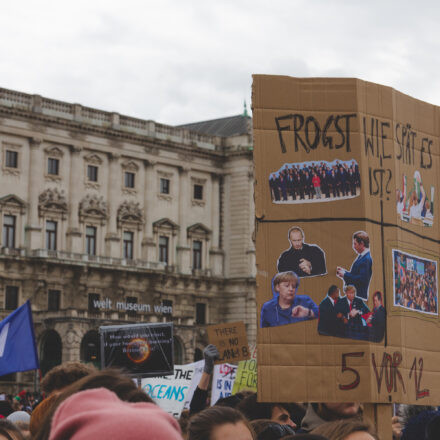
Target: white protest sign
[
  {"x": 170, "y": 392},
  {"x": 222, "y": 381},
  {"x": 197, "y": 374}
]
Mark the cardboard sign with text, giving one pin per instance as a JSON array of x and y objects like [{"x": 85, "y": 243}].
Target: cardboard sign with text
[
  {"x": 230, "y": 340},
  {"x": 347, "y": 237}
]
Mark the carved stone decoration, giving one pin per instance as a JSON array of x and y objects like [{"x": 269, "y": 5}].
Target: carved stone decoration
[
  {"x": 130, "y": 165},
  {"x": 93, "y": 159},
  {"x": 130, "y": 212},
  {"x": 93, "y": 206},
  {"x": 52, "y": 200},
  {"x": 54, "y": 151}
]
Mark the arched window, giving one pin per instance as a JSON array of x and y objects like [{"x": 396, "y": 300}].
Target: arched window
[{"x": 50, "y": 351}]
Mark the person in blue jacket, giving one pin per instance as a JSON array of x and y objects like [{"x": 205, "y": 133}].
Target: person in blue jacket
[
  {"x": 361, "y": 270},
  {"x": 287, "y": 307}
]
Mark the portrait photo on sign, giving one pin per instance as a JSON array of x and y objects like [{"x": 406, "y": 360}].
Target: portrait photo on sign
[
  {"x": 315, "y": 181},
  {"x": 361, "y": 269},
  {"x": 306, "y": 260},
  {"x": 415, "y": 283},
  {"x": 286, "y": 307},
  {"x": 414, "y": 203},
  {"x": 348, "y": 316}
]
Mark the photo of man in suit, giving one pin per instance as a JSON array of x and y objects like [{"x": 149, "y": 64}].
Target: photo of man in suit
[
  {"x": 361, "y": 270},
  {"x": 377, "y": 320},
  {"x": 287, "y": 307},
  {"x": 304, "y": 259},
  {"x": 349, "y": 310},
  {"x": 330, "y": 321}
]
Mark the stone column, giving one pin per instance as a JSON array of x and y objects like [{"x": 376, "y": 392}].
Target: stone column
[
  {"x": 150, "y": 190},
  {"x": 73, "y": 234},
  {"x": 36, "y": 173},
  {"x": 183, "y": 250},
  {"x": 112, "y": 239}
]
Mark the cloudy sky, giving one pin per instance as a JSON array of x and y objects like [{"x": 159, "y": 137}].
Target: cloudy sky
[{"x": 182, "y": 61}]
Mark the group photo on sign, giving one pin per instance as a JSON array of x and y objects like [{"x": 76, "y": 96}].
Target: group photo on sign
[{"x": 315, "y": 181}]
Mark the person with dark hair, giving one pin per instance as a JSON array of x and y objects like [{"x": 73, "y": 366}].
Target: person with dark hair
[
  {"x": 9, "y": 431},
  {"x": 346, "y": 430},
  {"x": 220, "y": 423},
  {"x": 5, "y": 408},
  {"x": 302, "y": 258},
  {"x": 328, "y": 323},
  {"x": 287, "y": 307},
  {"x": 377, "y": 319},
  {"x": 319, "y": 413},
  {"x": 276, "y": 412},
  {"x": 122, "y": 386},
  {"x": 64, "y": 375},
  {"x": 432, "y": 431},
  {"x": 360, "y": 272},
  {"x": 266, "y": 429}
]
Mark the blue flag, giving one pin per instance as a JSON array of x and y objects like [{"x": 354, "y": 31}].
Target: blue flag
[{"x": 18, "y": 350}]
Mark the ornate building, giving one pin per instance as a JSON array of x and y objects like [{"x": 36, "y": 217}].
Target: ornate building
[{"x": 110, "y": 219}]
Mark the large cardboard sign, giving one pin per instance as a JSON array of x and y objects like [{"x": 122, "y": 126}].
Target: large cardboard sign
[
  {"x": 144, "y": 350},
  {"x": 347, "y": 239},
  {"x": 230, "y": 340}
]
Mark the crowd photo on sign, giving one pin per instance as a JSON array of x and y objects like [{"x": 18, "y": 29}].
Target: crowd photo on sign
[{"x": 315, "y": 181}]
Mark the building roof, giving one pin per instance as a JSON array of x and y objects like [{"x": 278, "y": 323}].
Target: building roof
[{"x": 230, "y": 126}]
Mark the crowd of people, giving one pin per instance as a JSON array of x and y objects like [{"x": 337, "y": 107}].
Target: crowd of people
[
  {"x": 415, "y": 289},
  {"x": 83, "y": 403},
  {"x": 309, "y": 180}
]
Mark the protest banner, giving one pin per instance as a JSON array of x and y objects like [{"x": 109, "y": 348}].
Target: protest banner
[
  {"x": 197, "y": 374},
  {"x": 171, "y": 392},
  {"x": 346, "y": 197},
  {"x": 222, "y": 381},
  {"x": 230, "y": 340},
  {"x": 246, "y": 377},
  {"x": 143, "y": 350}
]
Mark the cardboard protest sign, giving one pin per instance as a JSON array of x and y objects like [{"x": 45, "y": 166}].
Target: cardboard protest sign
[
  {"x": 222, "y": 381},
  {"x": 144, "y": 350},
  {"x": 230, "y": 340},
  {"x": 347, "y": 242},
  {"x": 170, "y": 392}
]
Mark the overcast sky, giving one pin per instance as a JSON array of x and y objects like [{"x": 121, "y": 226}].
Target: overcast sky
[{"x": 183, "y": 61}]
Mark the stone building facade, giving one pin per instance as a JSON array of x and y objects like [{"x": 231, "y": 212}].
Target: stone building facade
[{"x": 109, "y": 219}]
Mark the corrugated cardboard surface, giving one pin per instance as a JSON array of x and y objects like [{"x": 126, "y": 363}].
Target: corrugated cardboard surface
[{"x": 295, "y": 363}]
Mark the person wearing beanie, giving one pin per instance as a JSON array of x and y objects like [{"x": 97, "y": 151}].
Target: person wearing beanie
[{"x": 99, "y": 414}]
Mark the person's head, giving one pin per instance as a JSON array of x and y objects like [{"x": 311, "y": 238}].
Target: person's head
[
  {"x": 276, "y": 412},
  {"x": 219, "y": 423},
  {"x": 63, "y": 375},
  {"x": 377, "y": 299},
  {"x": 113, "y": 380},
  {"x": 350, "y": 292},
  {"x": 286, "y": 284},
  {"x": 335, "y": 411},
  {"x": 361, "y": 241},
  {"x": 266, "y": 429},
  {"x": 296, "y": 237},
  {"x": 333, "y": 292},
  {"x": 346, "y": 430},
  {"x": 8, "y": 431},
  {"x": 99, "y": 413}
]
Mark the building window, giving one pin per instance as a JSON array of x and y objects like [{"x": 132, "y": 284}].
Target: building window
[
  {"x": 51, "y": 235},
  {"x": 92, "y": 173},
  {"x": 200, "y": 313},
  {"x": 53, "y": 166},
  {"x": 129, "y": 179},
  {"x": 198, "y": 192},
  {"x": 91, "y": 240},
  {"x": 94, "y": 302},
  {"x": 9, "y": 231},
  {"x": 11, "y": 298},
  {"x": 53, "y": 300},
  {"x": 164, "y": 186},
  {"x": 131, "y": 300},
  {"x": 167, "y": 306},
  {"x": 163, "y": 249},
  {"x": 128, "y": 245},
  {"x": 11, "y": 160},
  {"x": 197, "y": 254}
]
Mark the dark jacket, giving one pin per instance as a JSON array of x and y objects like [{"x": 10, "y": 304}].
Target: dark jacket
[
  {"x": 360, "y": 275},
  {"x": 290, "y": 260}
]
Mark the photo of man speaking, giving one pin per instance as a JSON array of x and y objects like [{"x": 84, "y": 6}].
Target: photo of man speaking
[
  {"x": 287, "y": 307},
  {"x": 304, "y": 259}
]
